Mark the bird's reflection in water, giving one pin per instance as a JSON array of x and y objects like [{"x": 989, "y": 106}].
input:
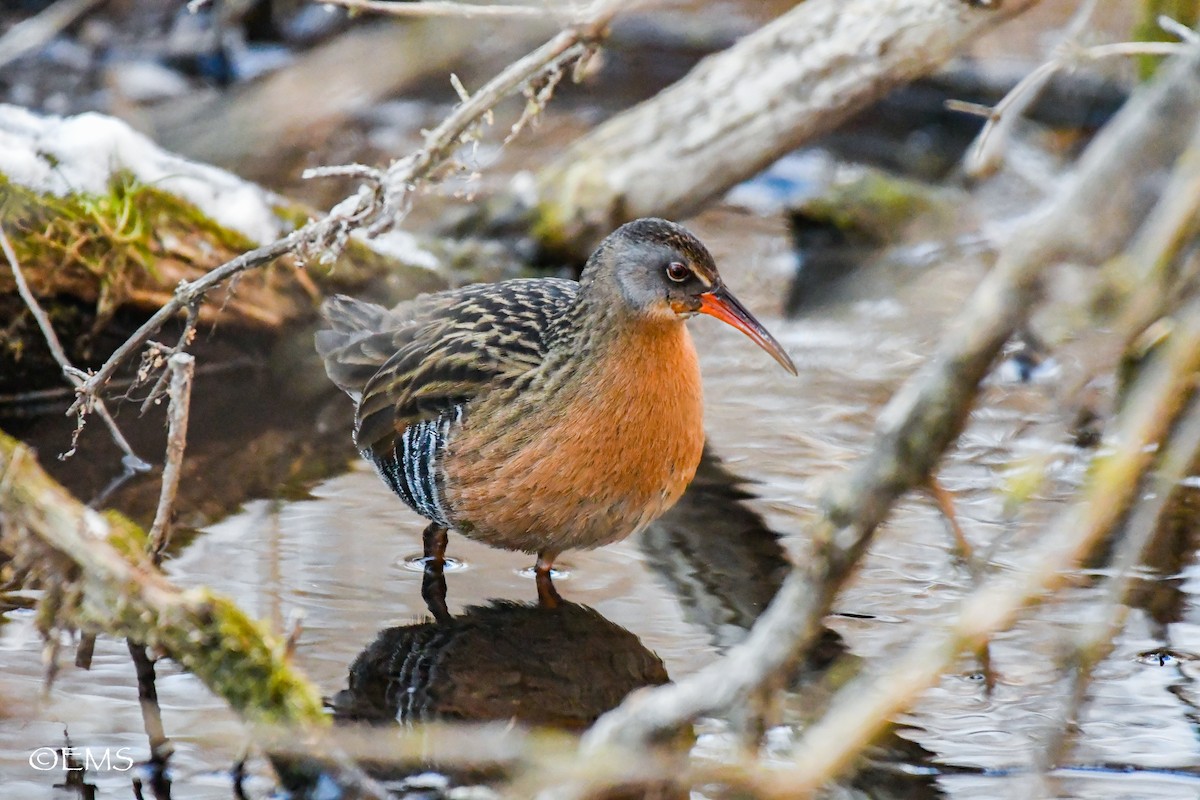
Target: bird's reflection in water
[
  {"x": 559, "y": 667},
  {"x": 717, "y": 555}
]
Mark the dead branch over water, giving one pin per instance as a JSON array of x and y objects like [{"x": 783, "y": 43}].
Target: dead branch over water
[{"x": 379, "y": 204}]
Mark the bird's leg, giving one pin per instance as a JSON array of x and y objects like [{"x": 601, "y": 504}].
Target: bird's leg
[
  {"x": 945, "y": 503},
  {"x": 433, "y": 580},
  {"x": 434, "y": 540},
  {"x": 548, "y": 596}
]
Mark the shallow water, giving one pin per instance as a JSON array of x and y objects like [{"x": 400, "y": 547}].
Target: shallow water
[{"x": 338, "y": 559}]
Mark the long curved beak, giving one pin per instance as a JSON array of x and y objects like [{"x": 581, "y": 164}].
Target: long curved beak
[{"x": 724, "y": 306}]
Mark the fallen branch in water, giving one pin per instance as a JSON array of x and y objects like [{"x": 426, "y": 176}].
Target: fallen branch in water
[{"x": 104, "y": 580}]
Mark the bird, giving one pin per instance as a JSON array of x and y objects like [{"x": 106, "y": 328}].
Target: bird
[{"x": 540, "y": 414}]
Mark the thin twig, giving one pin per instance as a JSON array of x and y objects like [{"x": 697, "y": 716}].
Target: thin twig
[
  {"x": 131, "y": 462},
  {"x": 160, "y": 745},
  {"x": 185, "y": 339},
  {"x": 985, "y": 154},
  {"x": 181, "y": 366},
  {"x": 434, "y": 8},
  {"x": 1177, "y": 29},
  {"x": 187, "y": 293}
]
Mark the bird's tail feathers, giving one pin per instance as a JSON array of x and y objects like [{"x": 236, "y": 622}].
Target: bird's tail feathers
[{"x": 356, "y": 343}]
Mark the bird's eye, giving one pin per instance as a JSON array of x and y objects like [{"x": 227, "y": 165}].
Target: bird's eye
[{"x": 678, "y": 272}]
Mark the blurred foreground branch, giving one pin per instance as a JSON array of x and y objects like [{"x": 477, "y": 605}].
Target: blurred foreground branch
[
  {"x": 864, "y": 707},
  {"x": 1095, "y": 209},
  {"x": 101, "y": 579}
]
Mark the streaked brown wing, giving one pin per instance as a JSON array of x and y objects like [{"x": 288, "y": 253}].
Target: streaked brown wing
[{"x": 453, "y": 346}]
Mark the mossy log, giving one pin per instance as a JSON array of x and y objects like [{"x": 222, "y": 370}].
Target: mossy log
[
  {"x": 96, "y": 577},
  {"x": 130, "y": 247}
]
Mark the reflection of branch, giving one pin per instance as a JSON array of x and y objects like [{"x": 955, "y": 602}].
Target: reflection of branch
[
  {"x": 1096, "y": 641},
  {"x": 380, "y": 203},
  {"x": 132, "y": 463},
  {"x": 1095, "y": 207}
]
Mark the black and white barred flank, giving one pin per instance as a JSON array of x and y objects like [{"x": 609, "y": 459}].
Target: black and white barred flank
[{"x": 412, "y": 468}]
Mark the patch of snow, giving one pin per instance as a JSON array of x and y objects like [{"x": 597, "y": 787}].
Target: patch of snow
[
  {"x": 80, "y": 154},
  {"x": 402, "y": 246}
]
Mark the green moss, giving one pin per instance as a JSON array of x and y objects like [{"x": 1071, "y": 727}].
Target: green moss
[
  {"x": 125, "y": 536},
  {"x": 549, "y": 228},
  {"x": 108, "y": 241},
  {"x": 1147, "y": 28},
  {"x": 873, "y": 205},
  {"x": 243, "y": 663}
]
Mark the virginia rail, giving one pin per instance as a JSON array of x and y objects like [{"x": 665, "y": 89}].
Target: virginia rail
[{"x": 540, "y": 414}]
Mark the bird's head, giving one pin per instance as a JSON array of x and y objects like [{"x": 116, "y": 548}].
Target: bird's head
[{"x": 661, "y": 272}]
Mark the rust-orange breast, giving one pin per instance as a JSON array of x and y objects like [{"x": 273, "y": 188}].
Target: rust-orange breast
[{"x": 587, "y": 462}]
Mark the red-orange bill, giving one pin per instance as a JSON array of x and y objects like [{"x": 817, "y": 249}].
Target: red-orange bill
[{"x": 724, "y": 306}]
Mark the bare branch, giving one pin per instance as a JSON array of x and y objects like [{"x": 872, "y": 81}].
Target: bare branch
[
  {"x": 862, "y": 709},
  {"x": 187, "y": 293},
  {"x": 563, "y": 50},
  {"x": 985, "y": 154},
  {"x": 1178, "y": 29},
  {"x": 181, "y": 367}
]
